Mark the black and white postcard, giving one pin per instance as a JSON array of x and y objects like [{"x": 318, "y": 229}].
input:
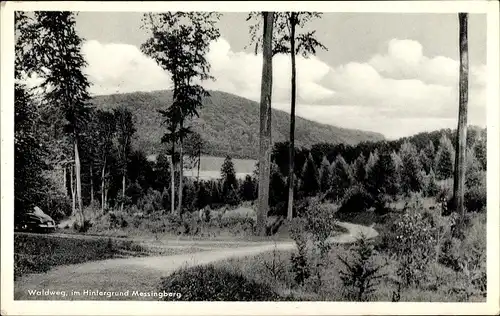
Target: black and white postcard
[{"x": 235, "y": 158}]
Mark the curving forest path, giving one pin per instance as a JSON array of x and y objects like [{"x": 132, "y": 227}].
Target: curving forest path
[{"x": 144, "y": 273}]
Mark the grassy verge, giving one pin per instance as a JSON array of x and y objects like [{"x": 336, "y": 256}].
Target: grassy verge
[
  {"x": 273, "y": 269},
  {"x": 37, "y": 254}
]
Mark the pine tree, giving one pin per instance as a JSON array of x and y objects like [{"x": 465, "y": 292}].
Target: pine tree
[
  {"x": 248, "y": 189},
  {"x": 431, "y": 187},
  {"x": 473, "y": 176},
  {"x": 372, "y": 159},
  {"x": 382, "y": 178},
  {"x": 480, "y": 151},
  {"x": 359, "y": 170},
  {"x": 310, "y": 177},
  {"x": 427, "y": 156},
  {"x": 325, "y": 175},
  {"x": 398, "y": 165},
  {"x": 341, "y": 178},
  {"x": 425, "y": 161},
  {"x": 57, "y": 59},
  {"x": 444, "y": 161},
  {"x": 411, "y": 180},
  {"x": 229, "y": 182},
  {"x": 202, "y": 195},
  {"x": 277, "y": 186}
]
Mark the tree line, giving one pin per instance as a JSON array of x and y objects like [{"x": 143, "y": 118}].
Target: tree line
[{"x": 57, "y": 128}]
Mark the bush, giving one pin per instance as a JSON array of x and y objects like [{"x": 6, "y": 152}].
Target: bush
[
  {"x": 361, "y": 273},
  {"x": 475, "y": 195},
  {"x": 300, "y": 263},
  {"x": 208, "y": 283},
  {"x": 356, "y": 199},
  {"x": 117, "y": 220},
  {"x": 152, "y": 201},
  {"x": 468, "y": 255},
  {"x": 59, "y": 206},
  {"x": 413, "y": 242}
]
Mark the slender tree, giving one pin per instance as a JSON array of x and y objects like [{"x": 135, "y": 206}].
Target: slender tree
[
  {"x": 106, "y": 131},
  {"x": 125, "y": 130},
  {"x": 229, "y": 182},
  {"x": 341, "y": 177},
  {"x": 194, "y": 146},
  {"x": 179, "y": 44},
  {"x": 461, "y": 150},
  {"x": 443, "y": 164},
  {"x": 287, "y": 39},
  {"x": 325, "y": 175},
  {"x": 265, "y": 122},
  {"x": 58, "y": 61}
]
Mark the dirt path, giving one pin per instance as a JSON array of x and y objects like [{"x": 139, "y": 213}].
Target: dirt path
[{"x": 142, "y": 273}]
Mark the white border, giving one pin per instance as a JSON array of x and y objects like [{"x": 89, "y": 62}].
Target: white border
[{"x": 11, "y": 307}]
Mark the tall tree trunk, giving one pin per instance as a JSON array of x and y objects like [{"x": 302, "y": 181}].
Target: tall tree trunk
[
  {"x": 460, "y": 154},
  {"x": 265, "y": 124},
  {"x": 78, "y": 182},
  {"x": 123, "y": 192},
  {"x": 73, "y": 191},
  {"x": 103, "y": 187},
  {"x": 65, "y": 180},
  {"x": 199, "y": 163},
  {"x": 172, "y": 180},
  {"x": 91, "y": 185},
  {"x": 291, "y": 149},
  {"x": 181, "y": 172}
]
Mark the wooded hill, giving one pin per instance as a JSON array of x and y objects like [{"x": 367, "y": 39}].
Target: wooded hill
[{"x": 229, "y": 124}]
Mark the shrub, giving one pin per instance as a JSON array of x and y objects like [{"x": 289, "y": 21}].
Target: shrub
[
  {"x": 356, "y": 199},
  {"x": 151, "y": 201},
  {"x": 82, "y": 228},
  {"x": 468, "y": 255},
  {"x": 361, "y": 274},
  {"x": 475, "y": 195},
  {"x": 208, "y": 283},
  {"x": 300, "y": 264},
  {"x": 430, "y": 186},
  {"x": 413, "y": 242},
  {"x": 318, "y": 222}
]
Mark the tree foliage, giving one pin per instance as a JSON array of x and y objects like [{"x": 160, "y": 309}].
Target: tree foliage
[{"x": 445, "y": 157}]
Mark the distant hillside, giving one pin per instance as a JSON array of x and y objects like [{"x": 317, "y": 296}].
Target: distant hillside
[{"x": 229, "y": 124}]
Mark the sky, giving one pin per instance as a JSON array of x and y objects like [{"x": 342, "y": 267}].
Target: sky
[{"x": 391, "y": 73}]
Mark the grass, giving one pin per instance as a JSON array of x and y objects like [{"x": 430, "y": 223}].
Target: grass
[
  {"x": 37, "y": 254},
  {"x": 260, "y": 269}
]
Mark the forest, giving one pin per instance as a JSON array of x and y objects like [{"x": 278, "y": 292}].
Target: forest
[{"x": 425, "y": 194}]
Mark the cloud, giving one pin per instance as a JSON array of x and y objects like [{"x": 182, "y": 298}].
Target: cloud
[
  {"x": 403, "y": 83},
  {"x": 240, "y": 73},
  {"x": 120, "y": 68},
  {"x": 398, "y": 92}
]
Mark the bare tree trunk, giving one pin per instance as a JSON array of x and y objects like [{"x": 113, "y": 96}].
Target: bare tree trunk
[
  {"x": 460, "y": 154},
  {"x": 265, "y": 124},
  {"x": 78, "y": 181},
  {"x": 123, "y": 193},
  {"x": 172, "y": 180},
  {"x": 73, "y": 192},
  {"x": 65, "y": 180},
  {"x": 106, "y": 198},
  {"x": 91, "y": 185},
  {"x": 199, "y": 163},
  {"x": 181, "y": 173},
  {"x": 103, "y": 187},
  {"x": 291, "y": 149}
]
